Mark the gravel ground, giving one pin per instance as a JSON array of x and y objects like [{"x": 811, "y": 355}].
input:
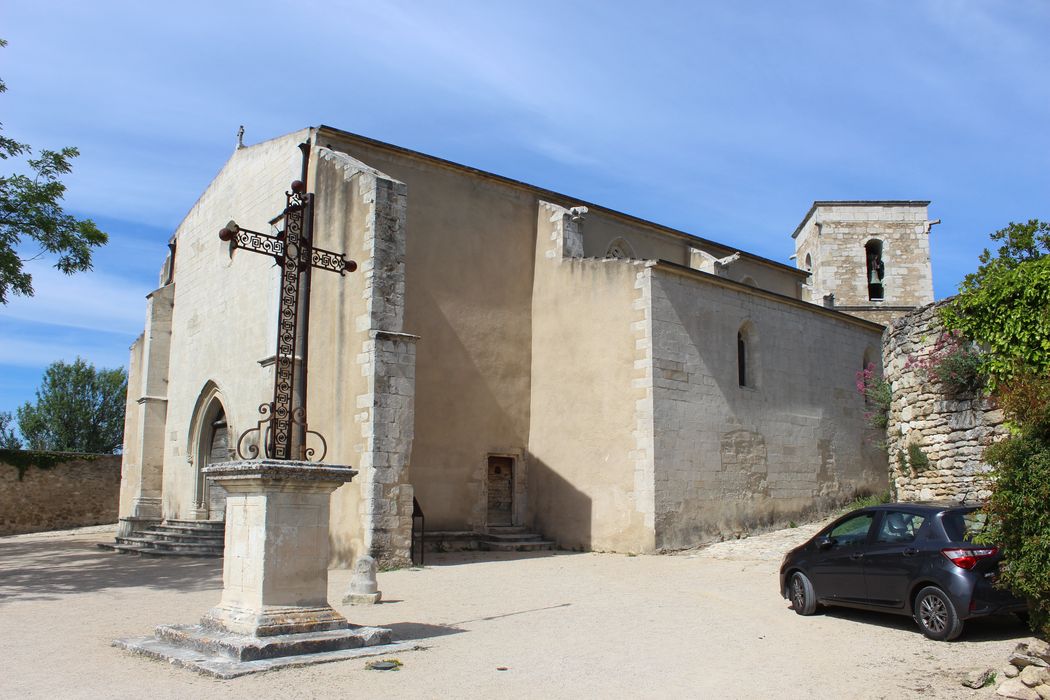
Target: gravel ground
[{"x": 705, "y": 623}]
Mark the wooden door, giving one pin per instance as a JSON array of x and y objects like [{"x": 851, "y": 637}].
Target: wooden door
[{"x": 501, "y": 491}]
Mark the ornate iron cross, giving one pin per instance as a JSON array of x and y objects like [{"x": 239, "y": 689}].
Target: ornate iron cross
[{"x": 283, "y": 429}]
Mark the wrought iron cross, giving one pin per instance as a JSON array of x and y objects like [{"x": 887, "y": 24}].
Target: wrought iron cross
[{"x": 283, "y": 429}]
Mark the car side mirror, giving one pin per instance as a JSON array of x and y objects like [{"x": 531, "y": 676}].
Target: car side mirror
[{"x": 825, "y": 543}]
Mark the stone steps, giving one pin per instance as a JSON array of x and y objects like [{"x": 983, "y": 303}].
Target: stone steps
[
  {"x": 501, "y": 538},
  {"x": 513, "y": 539},
  {"x": 173, "y": 538}
]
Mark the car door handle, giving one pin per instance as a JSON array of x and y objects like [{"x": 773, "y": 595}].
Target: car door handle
[
  {"x": 856, "y": 556},
  {"x": 910, "y": 552}
]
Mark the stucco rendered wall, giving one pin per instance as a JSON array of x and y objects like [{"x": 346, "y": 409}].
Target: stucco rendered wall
[
  {"x": 590, "y": 444},
  {"x": 468, "y": 295},
  {"x": 652, "y": 243},
  {"x": 76, "y": 492},
  {"x": 731, "y": 458},
  {"x": 224, "y": 318},
  {"x": 951, "y": 431}
]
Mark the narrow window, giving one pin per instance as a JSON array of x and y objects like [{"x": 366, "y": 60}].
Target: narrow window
[
  {"x": 809, "y": 263},
  {"x": 876, "y": 270},
  {"x": 741, "y": 359}
]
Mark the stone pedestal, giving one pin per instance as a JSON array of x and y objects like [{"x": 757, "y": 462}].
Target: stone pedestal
[{"x": 274, "y": 607}]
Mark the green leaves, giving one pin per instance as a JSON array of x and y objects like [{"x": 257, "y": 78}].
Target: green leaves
[
  {"x": 1005, "y": 305},
  {"x": 31, "y": 212},
  {"x": 77, "y": 409}
]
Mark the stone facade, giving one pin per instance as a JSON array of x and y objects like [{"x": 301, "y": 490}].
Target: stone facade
[
  {"x": 833, "y": 243},
  {"x": 592, "y": 354},
  {"x": 71, "y": 491},
  {"x": 950, "y": 432}
]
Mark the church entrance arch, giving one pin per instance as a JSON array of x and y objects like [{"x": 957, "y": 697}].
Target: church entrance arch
[{"x": 211, "y": 442}]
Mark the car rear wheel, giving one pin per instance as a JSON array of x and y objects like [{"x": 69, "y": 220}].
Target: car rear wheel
[
  {"x": 936, "y": 615},
  {"x": 803, "y": 600}
]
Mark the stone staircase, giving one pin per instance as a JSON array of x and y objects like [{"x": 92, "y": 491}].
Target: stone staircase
[
  {"x": 174, "y": 538},
  {"x": 512, "y": 539}
]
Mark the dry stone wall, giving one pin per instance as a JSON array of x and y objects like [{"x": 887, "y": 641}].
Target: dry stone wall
[
  {"x": 927, "y": 425},
  {"x": 57, "y": 491}
]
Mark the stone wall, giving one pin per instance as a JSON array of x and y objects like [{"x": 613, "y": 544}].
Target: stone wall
[
  {"x": 789, "y": 442},
  {"x": 951, "y": 432},
  {"x": 66, "y": 490},
  {"x": 830, "y": 243}
]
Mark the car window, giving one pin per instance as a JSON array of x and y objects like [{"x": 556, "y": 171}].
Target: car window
[
  {"x": 962, "y": 526},
  {"x": 899, "y": 527},
  {"x": 852, "y": 531}
]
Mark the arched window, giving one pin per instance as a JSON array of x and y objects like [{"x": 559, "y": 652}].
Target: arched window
[
  {"x": 809, "y": 263},
  {"x": 876, "y": 269},
  {"x": 741, "y": 358},
  {"x": 620, "y": 249}
]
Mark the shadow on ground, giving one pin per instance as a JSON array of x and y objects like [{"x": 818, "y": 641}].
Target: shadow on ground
[
  {"x": 408, "y": 631},
  {"x": 46, "y": 569},
  {"x": 993, "y": 628}
]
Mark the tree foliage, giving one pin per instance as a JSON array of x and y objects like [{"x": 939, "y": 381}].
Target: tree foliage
[
  {"x": 1005, "y": 305},
  {"x": 1019, "y": 520},
  {"x": 31, "y": 213},
  {"x": 1005, "y": 308},
  {"x": 8, "y": 439},
  {"x": 77, "y": 409}
]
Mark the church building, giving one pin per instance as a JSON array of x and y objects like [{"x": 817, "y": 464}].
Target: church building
[{"x": 505, "y": 355}]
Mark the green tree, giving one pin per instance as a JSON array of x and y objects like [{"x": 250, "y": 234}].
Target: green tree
[
  {"x": 1005, "y": 308},
  {"x": 31, "y": 214},
  {"x": 8, "y": 439},
  {"x": 77, "y": 409},
  {"x": 1005, "y": 305}
]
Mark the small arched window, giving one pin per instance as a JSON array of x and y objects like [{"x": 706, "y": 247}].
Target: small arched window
[
  {"x": 809, "y": 263},
  {"x": 620, "y": 249},
  {"x": 875, "y": 269},
  {"x": 741, "y": 358}
]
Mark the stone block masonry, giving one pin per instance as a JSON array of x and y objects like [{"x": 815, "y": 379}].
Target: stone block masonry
[
  {"x": 56, "y": 491},
  {"x": 951, "y": 432}
]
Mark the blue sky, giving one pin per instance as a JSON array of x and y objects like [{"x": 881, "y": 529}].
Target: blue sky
[{"x": 723, "y": 119}]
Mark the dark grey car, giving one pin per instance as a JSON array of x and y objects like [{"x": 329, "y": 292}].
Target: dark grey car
[{"x": 912, "y": 559}]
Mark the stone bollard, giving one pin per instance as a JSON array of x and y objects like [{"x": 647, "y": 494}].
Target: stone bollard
[{"x": 364, "y": 589}]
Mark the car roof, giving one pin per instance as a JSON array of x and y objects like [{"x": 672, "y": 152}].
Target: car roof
[{"x": 924, "y": 506}]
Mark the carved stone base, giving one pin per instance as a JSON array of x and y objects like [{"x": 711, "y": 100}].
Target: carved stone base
[
  {"x": 228, "y": 655},
  {"x": 273, "y": 620},
  {"x": 362, "y": 598}
]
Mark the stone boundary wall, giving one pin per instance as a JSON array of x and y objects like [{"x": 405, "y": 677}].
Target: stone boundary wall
[
  {"x": 951, "y": 432},
  {"x": 71, "y": 490}
]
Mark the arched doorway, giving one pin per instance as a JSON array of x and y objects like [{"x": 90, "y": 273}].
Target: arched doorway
[{"x": 213, "y": 443}]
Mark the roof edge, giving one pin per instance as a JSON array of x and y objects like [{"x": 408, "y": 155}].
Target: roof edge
[
  {"x": 858, "y": 203},
  {"x": 562, "y": 199}
]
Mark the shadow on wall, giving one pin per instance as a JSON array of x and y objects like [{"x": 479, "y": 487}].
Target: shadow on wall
[
  {"x": 557, "y": 509},
  {"x": 46, "y": 569},
  {"x": 458, "y": 417}
]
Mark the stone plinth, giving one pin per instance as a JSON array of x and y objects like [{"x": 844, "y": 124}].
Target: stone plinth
[
  {"x": 274, "y": 608},
  {"x": 275, "y": 571}
]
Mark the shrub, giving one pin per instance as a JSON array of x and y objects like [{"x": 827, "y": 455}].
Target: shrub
[
  {"x": 877, "y": 397},
  {"x": 1020, "y": 520},
  {"x": 954, "y": 363}
]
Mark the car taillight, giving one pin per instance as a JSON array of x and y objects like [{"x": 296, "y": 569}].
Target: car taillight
[{"x": 968, "y": 558}]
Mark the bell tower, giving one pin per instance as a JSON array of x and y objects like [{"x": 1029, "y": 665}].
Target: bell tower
[{"x": 869, "y": 259}]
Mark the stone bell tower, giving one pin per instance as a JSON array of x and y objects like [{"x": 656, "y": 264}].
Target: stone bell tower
[{"x": 869, "y": 259}]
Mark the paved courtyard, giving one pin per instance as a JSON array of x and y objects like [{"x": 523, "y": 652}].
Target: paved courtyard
[{"x": 705, "y": 624}]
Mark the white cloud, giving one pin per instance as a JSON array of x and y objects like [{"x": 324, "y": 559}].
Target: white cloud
[{"x": 94, "y": 301}]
